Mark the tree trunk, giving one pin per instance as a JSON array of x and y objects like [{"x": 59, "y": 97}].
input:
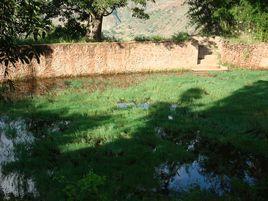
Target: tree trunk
[{"x": 94, "y": 28}]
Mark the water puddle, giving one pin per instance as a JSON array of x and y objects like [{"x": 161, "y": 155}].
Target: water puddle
[
  {"x": 214, "y": 169},
  {"x": 125, "y": 105},
  {"x": 144, "y": 106},
  {"x": 13, "y": 133},
  {"x": 21, "y": 132},
  {"x": 184, "y": 177},
  {"x": 173, "y": 107}
]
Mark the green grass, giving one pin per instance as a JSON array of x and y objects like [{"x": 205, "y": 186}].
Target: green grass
[{"x": 107, "y": 153}]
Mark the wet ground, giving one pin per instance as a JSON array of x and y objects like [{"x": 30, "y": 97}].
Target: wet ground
[
  {"x": 214, "y": 169},
  {"x": 32, "y": 87},
  {"x": 15, "y": 133},
  {"x": 12, "y": 135},
  {"x": 215, "y": 166}
]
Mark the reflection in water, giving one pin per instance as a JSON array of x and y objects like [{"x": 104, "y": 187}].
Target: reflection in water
[
  {"x": 181, "y": 178},
  {"x": 173, "y": 107},
  {"x": 213, "y": 170},
  {"x": 189, "y": 175},
  {"x": 125, "y": 105},
  {"x": 143, "y": 106},
  {"x": 12, "y": 134}
]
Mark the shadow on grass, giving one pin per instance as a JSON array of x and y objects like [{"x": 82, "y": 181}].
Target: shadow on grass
[{"x": 231, "y": 134}]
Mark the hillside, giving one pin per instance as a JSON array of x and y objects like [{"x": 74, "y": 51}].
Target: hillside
[{"x": 167, "y": 17}]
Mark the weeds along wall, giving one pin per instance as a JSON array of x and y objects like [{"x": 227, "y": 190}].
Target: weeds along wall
[
  {"x": 60, "y": 60},
  {"x": 253, "y": 56}
]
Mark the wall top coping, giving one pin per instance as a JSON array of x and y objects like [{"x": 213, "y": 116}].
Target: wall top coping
[{"x": 106, "y": 43}]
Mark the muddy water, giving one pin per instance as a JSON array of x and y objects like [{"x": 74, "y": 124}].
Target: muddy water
[{"x": 13, "y": 133}]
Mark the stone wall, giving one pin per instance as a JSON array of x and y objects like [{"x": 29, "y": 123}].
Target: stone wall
[
  {"x": 253, "y": 56},
  {"x": 59, "y": 60}
]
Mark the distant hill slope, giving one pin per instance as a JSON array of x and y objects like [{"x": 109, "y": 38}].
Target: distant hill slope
[{"x": 167, "y": 17}]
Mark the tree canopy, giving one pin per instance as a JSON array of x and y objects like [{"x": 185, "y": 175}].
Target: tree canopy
[
  {"x": 19, "y": 18},
  {"x": 227, "y": 17},
  {"x": 89, "y": 13},
  {"x": 22, "y": 18}
]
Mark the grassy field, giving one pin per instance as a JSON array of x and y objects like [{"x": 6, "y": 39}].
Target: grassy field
[{"x": 116, "y": 137}]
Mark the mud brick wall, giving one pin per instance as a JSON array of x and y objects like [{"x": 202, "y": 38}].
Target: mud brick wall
[
  {"x": 247, "y": 56},
  {"x": 59, "y": 60}
]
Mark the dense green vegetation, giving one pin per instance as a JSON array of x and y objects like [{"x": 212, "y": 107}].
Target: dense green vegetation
[
  {"x": 88, "y": 15},
  {"x": 231, "y": 17},
  {"x": 75, "y": 21},
  {"x": 19, "y": 19},
  {"x": 111, "y": 153},
  {"x": 180, "y": 37}
]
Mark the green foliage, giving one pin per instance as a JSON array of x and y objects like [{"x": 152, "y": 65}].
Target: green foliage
[
  {"x": 85, "y": 189},
  {"x": 211, "y": 16},
  {"x": 89, "y": 14},
  {"x": 22, "y": 18},
  {"x": 155, "y": 38},
  {"x": 230, "y": 17},
  {"x": 19, "y": 19},
  {"x": 181, "y": 37},
  {"x": 71, "y": 31},
  {"x": 252, "y": 19}
]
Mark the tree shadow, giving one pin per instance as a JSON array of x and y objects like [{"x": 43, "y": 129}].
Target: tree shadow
[
  {"x": 231, "y": 134},
  {"x": 13, "y": 57}
]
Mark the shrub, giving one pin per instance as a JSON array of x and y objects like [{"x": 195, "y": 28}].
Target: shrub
[
  {"x": 86, "y": 188},
  {"x": 156, "y": 38},
  {"x": 181, "y": 37},
  {"x": 251, "y": 19},
  {"x": 230, "y": 17}
]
